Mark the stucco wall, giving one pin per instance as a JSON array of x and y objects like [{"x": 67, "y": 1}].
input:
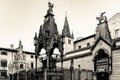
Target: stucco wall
[
  {"x": 114, "y": 24},
  {"x": 118, "y": 43},
  {"x": 8, "y": 58},
  {"x": 85, "y": 63},
  {"x": 115, "y": 65},
  {"x": 68, "y": 47},
  {"x": 83, "y": 43},
  {"x": 78, "y": 53}
]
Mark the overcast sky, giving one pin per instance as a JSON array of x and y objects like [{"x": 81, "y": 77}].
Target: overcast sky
[{"x": 20, "y": 19}]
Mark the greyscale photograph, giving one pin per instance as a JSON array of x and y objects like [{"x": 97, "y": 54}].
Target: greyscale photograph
[{"x": 59, "y": 40}]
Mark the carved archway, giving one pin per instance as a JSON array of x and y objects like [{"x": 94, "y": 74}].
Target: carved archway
[
  {"x": 102, "y": 64},
  {"x": 99, "y": 59}
]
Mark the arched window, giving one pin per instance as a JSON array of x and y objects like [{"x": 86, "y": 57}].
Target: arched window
[{"x": 21, "y": 66}]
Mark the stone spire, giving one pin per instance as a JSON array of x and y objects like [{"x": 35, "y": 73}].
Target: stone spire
[
  {"x": 48, "y": 38},
  {"x": 48, "y": 31},
  {"x": 66, "y": 30},
  {"x": 102, "y": 28},
  {"x": 49, "y": 22}
]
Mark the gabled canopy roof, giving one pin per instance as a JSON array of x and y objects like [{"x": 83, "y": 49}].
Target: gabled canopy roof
[{"x": 97, "y": 41}]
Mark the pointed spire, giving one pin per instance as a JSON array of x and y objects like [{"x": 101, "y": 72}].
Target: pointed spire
[
  {"x": 65, "y": 13},
  {"x": 66, "y": 30}
]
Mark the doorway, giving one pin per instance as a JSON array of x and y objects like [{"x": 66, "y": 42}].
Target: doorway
[{"x": 103, "y": 76}]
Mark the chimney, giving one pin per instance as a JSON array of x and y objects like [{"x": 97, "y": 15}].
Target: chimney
[{"x": 11, "y": 46}]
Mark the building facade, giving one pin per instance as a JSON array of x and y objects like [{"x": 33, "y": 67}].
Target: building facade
[
  {"x": 15, "y": 60},
  {"x": 95, "y": 57}
]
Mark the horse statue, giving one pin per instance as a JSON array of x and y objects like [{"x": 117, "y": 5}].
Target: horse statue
[{"x": 102, "y": 18}]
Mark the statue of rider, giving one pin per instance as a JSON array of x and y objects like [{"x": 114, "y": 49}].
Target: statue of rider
[
  {"x": 50, "y": 5},
  {"x": 102, "y": 18}
]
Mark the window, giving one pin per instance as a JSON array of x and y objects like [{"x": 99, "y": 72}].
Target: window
[
  {"x": 117, "y": 33},
  {"x": 79, "y": 67},
  {"x": 3, "y": 53},
  {"x": 69, "y": 41},
  {"x": 21, "y": 66},
  {"x": 3, "y": 74},
  {"x": 32, "y": 65},
  {"x": 3, "y": 63},
  {"x": 79, "y": 46},
  {"x": 31, "y": 56},
  {"x": 88, "y": 44}
]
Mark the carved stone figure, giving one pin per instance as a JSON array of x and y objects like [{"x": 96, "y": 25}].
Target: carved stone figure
[
  {"x": 10, "y": 67},
  {"x": 20, "y": 45},
  {"x": 102, "y": 18},
  {"x": 50, "y": 5},
  {"x": 20, "y": 55}
]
